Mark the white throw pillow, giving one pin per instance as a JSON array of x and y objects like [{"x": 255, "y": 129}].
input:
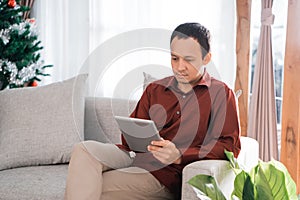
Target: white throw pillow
[{"x": 39, "y": 125}]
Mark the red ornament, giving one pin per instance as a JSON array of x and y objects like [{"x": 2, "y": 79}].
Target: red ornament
[
  {"x": 33, "y": 84},
  {"x": 31, "y": 20},
  {"x": 12, "y": 3}
]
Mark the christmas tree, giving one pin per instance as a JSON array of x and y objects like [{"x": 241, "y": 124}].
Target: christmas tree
[{"x": 20, "y": 62}]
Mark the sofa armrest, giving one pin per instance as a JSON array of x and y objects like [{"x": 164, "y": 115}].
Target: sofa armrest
[{"x": 220, "y": 169}]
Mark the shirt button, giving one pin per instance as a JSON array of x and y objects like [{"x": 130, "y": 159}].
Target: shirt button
[
  {"x": 177, "y": 112},
  {"x": 183, "y": 96}
]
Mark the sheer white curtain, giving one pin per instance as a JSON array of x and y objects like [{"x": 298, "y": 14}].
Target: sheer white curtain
[
  {"x": 72, "y": 31},
  {"x": 64, "y": 32}
]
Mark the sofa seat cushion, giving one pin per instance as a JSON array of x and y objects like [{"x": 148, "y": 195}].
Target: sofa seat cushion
[{"x": 37, "y": 182}]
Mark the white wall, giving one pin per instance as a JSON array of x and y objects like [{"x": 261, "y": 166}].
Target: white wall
[{"x": 87, "y": 36}]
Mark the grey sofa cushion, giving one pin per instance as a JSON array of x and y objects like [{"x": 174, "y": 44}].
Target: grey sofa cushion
[
  {"x": 99, "y": 122},
  {"x": 147, "y": 80},
  {"x": 40, "y": 125},
  {"x": 33, "y": 183}
]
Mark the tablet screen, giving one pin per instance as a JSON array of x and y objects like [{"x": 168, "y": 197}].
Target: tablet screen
[{"x": 138, "y": 133}]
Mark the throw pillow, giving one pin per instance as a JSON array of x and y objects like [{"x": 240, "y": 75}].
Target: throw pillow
[
  {"x": 147, "y": 80},
  {"x": 40, "y": 125}
]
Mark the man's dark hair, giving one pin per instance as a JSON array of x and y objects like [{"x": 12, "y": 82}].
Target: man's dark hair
[{"x": 196, "y": 31}]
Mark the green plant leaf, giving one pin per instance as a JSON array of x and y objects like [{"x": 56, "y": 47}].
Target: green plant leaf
[
  {"x": 207, "y": 186},
  {"x": 271, "y": 183},
  {"x": 230, "y": 158},
  {"x": 249, "y": 189},
  {"x": 290, "y": 184},
  {"x": 243, "y": 186},
  {"x": 233, "y": 162}
]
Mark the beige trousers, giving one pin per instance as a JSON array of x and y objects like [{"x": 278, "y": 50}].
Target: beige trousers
[{"x": 101, "y": 171}]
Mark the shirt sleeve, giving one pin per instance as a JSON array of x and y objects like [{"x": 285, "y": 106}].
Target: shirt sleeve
[{"x": 223, "y": 131}]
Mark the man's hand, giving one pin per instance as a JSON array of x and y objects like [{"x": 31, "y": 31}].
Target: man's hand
[{"x": 165, "y": 151}]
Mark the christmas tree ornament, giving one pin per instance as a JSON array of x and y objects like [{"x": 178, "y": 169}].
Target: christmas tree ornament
[
  {"x": 12, "y": 3},
  {"x": 33, "y": 84},
  {"x": 21, "y": 28},
  {"x": 31, "y": 20},
  {"x": 4, "y": 35}
]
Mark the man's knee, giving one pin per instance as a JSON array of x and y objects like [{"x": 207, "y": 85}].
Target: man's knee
[
  {"x": 80, "y": 148},
  {"x": 94, "y": 150},
  {"x": 83, "y": 146}
]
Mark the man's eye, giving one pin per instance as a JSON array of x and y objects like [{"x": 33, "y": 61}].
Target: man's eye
[{"x": 174, "y": 58}]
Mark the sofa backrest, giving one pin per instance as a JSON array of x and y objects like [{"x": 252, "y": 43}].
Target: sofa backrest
[{"x": 99, "y": 122}]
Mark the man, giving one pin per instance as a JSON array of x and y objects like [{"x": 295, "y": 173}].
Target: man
[{"x": 197, "y": 118}]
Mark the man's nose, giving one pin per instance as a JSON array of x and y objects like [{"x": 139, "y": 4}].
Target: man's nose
[{"x": 181, "y": 65}]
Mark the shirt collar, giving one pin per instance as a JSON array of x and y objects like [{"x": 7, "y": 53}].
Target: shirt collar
[{"x": 204, "y": 81}]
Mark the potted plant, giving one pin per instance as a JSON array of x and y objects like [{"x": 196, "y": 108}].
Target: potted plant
[{"x": 267, "y": 180}]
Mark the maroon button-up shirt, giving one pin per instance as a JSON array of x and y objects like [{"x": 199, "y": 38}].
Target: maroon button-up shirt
[{"x": 201, "y": 123}]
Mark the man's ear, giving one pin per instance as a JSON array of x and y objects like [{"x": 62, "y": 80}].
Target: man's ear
[{"x": 207, "y": 58}]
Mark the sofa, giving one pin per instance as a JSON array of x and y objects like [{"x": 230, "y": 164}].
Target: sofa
[{"x": 28, "y": 174}]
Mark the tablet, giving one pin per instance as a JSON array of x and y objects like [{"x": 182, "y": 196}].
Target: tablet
[{"x": 138, "y": 133}]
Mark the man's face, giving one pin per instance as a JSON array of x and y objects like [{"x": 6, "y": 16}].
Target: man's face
[{"x": 186, "y": 60}]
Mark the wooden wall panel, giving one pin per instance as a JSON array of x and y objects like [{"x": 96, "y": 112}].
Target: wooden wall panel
[
  {"x": 242, "y": 58},
  {"x": 290, "y": 138}
]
